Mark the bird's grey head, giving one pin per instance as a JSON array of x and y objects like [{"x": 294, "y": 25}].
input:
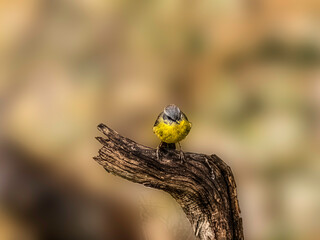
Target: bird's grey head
[{"x": 172, "y": 112}]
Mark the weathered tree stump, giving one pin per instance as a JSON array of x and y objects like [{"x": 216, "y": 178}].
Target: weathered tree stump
[{"x": 203, "y": 185}]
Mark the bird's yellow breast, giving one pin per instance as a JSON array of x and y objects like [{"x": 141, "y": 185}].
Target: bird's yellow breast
[{"x": 172, "y": 133}]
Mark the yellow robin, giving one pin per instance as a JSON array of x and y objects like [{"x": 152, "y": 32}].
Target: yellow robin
[{"x": 171, "y": 126}]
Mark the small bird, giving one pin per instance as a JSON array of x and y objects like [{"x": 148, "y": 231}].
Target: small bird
[{"x": 171, "y": 127}]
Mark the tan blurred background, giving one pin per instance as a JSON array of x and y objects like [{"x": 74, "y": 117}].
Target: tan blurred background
[{"x": 246, "y": 73}]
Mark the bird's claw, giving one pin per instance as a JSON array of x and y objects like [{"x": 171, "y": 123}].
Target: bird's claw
[
  {"x": 181, "y": 156},
  {"x": 158, "y": 153}
]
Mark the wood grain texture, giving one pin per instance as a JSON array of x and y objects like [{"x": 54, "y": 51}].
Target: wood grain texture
[{"x": 203, "y": 185}]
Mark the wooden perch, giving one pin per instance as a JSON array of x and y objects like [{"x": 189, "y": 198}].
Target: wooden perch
[{"x": 203, "y": 185}]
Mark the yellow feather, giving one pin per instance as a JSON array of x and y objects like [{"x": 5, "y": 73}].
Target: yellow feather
[{"x": 172, "y": 133}]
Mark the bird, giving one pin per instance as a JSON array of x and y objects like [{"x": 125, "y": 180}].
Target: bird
[{"x": 171, "y": 127}]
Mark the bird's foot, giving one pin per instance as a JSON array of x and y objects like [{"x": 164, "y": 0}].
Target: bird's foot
[
  {"x": 181, "y": 156},
  {"x": 158, "y": 153}
]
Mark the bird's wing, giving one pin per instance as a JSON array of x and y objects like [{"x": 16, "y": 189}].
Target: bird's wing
[
  {"x": 158, "y": 119},
  {"x": 184, "y": 116}
]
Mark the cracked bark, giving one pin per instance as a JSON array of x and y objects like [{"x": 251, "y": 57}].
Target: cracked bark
[{"x": 203, "y": 185}]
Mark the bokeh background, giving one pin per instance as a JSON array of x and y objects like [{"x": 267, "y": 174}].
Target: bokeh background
[{"x": 246, "y": 73}]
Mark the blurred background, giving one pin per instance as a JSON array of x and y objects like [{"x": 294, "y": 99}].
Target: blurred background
[{"x": 246, "y": 73}]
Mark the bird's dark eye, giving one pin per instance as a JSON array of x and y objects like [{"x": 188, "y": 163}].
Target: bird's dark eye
[{"x": 170, "y": 118}]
